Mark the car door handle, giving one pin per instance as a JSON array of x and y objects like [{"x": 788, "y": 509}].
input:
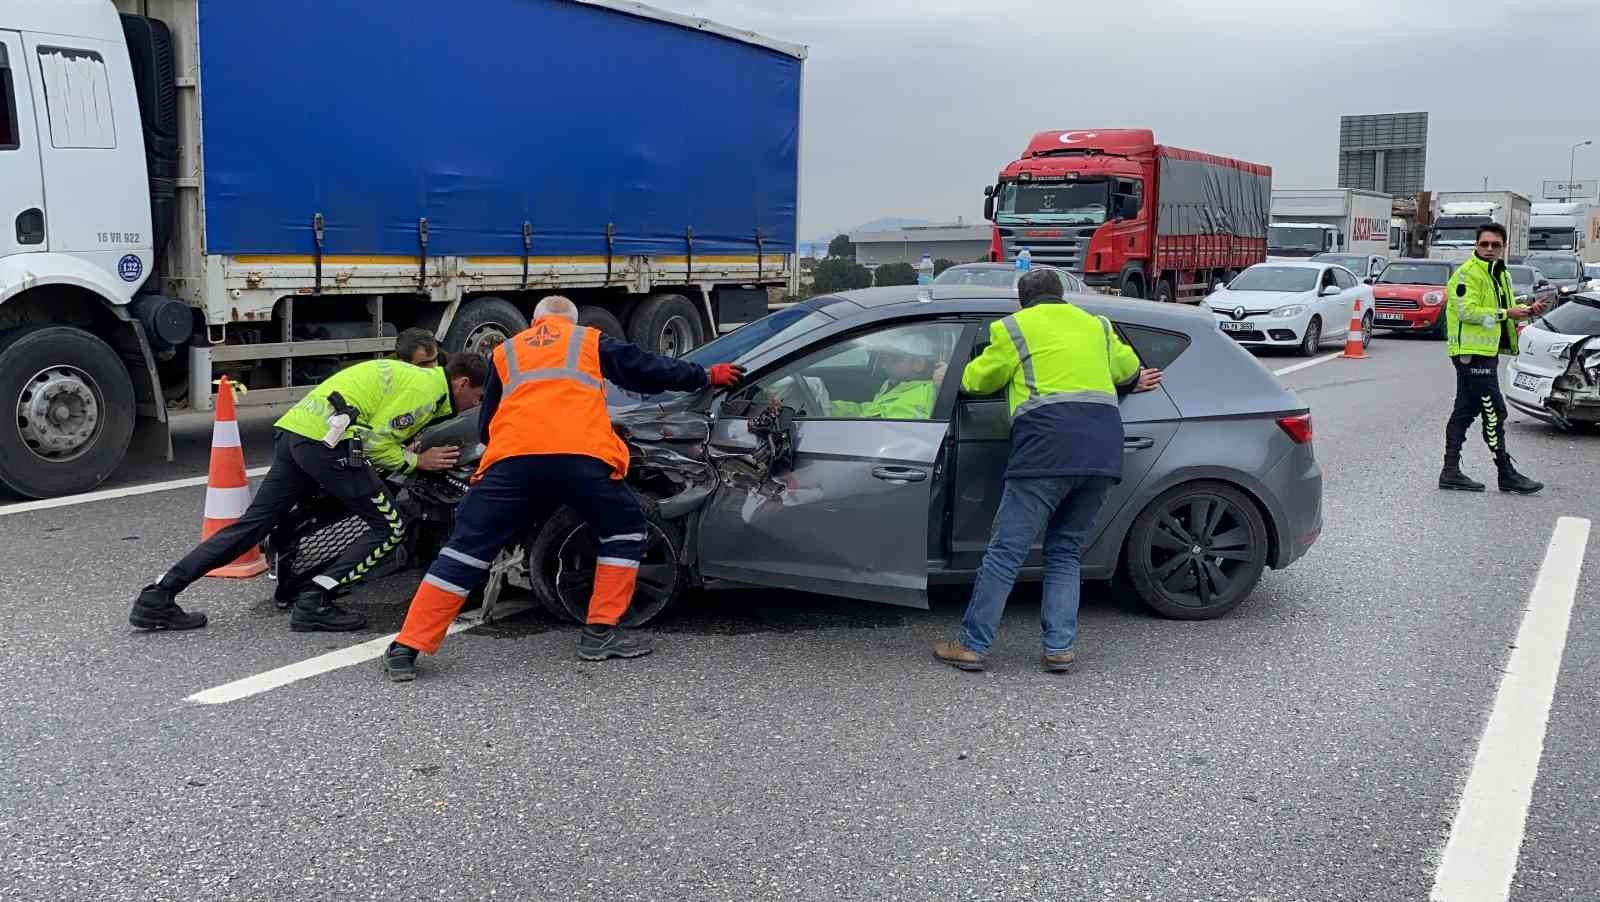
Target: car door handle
[
  {"x": 899, "y": 474},
  {"x": 1138, "y": 443}
]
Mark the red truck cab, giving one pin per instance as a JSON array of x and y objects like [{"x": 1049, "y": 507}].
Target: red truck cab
[
  {"x": 1129, "y": 215},
  {"x": 1408, "y": 295}
]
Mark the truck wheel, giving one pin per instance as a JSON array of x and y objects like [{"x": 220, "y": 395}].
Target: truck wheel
[
  {"x": 666, "y": 324},
  {"x": 561, "y": 567},
  {"x": 481, "y": 324},
  {"x": 1132, "y": 286},
  {"x": 602, "y": 319},
  {"x": 71, "y": 409},
  {"x": 1164, "y": 293}
]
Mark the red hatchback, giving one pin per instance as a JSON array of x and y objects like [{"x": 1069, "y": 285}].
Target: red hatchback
[{"x": 1409, "y": 296}]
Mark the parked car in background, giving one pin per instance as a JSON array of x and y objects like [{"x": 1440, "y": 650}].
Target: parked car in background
[
  {"x": 1592, "y": 270},
  {"x": 1556, "y": 373},
  {"x": 788, "y": 483},
  {"x": 1365, "y": 266},
  {"x": 1565, "y": 271},
  {"x": 1530, "y": 285},
  {"x": 1002, "y": 275},
  {"x": 1297, "y": 306},
  {"x": 1409, "y": 294}
]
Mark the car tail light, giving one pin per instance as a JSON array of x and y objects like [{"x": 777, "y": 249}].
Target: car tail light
[{"x": 1297, "y": 428}]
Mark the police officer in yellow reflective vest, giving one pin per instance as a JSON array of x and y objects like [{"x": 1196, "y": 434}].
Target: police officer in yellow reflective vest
[
  {"x": 391, "y": 402},
  {"x": 1063, "y": 369},
  {"x": 1480, "y": 310}
]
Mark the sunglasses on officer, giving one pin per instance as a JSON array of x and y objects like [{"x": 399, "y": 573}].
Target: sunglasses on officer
[{"x": 1491, "y": 245}]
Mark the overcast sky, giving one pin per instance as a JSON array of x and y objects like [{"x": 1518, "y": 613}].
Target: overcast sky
[{"x": 910, "y": 109}]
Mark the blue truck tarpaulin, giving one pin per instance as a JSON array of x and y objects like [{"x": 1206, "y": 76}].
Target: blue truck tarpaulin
[{"x": 482, "y": 116}]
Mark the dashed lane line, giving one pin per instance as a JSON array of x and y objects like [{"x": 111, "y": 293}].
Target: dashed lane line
[
  {"x": 1480, "y": 858},
  {"x": 1307, "y": 364}
]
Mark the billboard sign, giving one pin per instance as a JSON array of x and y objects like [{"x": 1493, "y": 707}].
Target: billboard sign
[
  {"x": 1386, "y": 152},
  {"x": 1577, "y": 189}
]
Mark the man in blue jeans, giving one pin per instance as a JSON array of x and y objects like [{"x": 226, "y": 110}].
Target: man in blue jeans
[{"x": 1064, "y": 369}]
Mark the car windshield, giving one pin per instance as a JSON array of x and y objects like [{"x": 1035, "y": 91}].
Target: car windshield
[
  {"x": 1083, "y": 202},
  {"x": 1276, "y": 278},
  {"x": 1558, "y": 268},
  {"x": 1290, "y": 238},
  {"x": 1414, "y": 274},
  {"x": 1579, "y": 316},
  {"x": 1457, "y": 235},
  {"x": 1553, "y": 239},
  {"x": 1521, "y": 277},
  {"x": 771, "y": 329},
  {"x": 987, "y": 276}
]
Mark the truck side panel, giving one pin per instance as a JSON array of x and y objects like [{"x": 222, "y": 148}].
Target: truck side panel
[
  {"x": 1213, "y": 212},
  {"x": 571, "y": 117}
]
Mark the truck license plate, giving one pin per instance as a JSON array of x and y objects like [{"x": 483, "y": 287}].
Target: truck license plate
[
  {"x": 1392, "y": 317},
  {"x": 1527, "y": 381},
  {"x": 1235, "y": 327}
]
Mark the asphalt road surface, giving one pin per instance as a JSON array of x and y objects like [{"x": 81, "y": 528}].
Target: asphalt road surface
[{"x": 1312, "y": 745}]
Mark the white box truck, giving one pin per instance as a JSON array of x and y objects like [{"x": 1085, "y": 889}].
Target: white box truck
[
  {"x": 1459, "y": 213},
  {"x": 1565, "y": 227},
  {"x": 1308, "y": 221},
  {"x": 360, "y": 168}
]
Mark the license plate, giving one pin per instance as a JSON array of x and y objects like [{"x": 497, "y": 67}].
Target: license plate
[
  {"x": 1527, "y": 381},
  {"x": 1392, "y": 317},
  {"x": 1236, "y": 327}
]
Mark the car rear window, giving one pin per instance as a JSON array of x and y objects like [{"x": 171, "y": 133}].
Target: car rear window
[
  {"x": 1155, "y": 347},
  {"x": 1579, "y": 316}
]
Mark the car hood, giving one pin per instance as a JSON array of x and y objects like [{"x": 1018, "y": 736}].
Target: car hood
[
  {"x": 1409, "y": 292},
  {"x": 1226, "y": 300}
]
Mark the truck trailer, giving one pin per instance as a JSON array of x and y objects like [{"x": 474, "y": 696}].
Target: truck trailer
[
  {"x": 1310, "y": 221},
  {"x": 272, "y": 190},
  {"x": 1459, "y": 213},
  {"x": 1131, "y": 216}
]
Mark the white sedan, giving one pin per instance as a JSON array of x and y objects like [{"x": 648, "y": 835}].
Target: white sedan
[
  {"x": 1556, "y": 373},
  {"x": 1298, "y": 306}
]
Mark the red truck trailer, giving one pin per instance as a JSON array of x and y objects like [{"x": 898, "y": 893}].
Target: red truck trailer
[{"x": 1131, "y": 216}]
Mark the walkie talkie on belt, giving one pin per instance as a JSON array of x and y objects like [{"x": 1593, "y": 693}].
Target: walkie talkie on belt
[{"x": 343, "y": 415}]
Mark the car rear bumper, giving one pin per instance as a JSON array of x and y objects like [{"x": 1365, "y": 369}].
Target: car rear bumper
[{"x": 1297, "y": 483}]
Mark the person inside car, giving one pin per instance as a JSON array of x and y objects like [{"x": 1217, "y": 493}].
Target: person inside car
[{"x": 914, "y": 371}]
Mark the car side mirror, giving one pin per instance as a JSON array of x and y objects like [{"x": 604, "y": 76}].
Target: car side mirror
[
  {"x": 1328, "y": 291},
  {"x": 1371, "y": 280},
  {"x": 988, "y": 206}
]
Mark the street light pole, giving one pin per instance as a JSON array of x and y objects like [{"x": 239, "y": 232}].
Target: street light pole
[{"x": 1572, "y": 160}]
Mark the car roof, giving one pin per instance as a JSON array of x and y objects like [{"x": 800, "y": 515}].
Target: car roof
[
  {"x": 899, "y": 300},
  {"x": 1294, "y": 264},
  {"x": 1423, "y": 260},
  {"x": 982, "y": 266}
]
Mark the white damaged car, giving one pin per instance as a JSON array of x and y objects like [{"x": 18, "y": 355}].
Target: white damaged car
[
  {"x": 1556, "y": 373},
  {"x": 1298, "y": 306}
]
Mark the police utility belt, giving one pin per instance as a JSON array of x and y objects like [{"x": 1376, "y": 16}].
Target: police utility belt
[{"x": 338, "y": 422}]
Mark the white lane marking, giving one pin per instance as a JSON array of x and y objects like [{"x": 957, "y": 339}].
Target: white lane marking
[
  {"x": 1306, "y": 365},
  {"x": 24, "y": 507},
  {"x": 370, "y": 650},
  {"x": 1480, "y": 857}
]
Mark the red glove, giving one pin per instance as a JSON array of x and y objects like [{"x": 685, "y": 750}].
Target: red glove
[{"x": 725, "y": 375}]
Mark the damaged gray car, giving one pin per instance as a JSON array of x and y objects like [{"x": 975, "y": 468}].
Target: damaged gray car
[
  {"x": 848, "y": 463},
  {"x": 1556, "y": 373}
]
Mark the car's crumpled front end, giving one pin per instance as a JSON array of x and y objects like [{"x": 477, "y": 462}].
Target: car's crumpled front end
[
  {"x": 1575, "y": 394},
  {"x": 674, "y": 466}
]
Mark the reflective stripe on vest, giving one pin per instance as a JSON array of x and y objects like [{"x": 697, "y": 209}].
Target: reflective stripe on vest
[
  {"x": 569, "y": 370},
  {"x": 1036, "y": 398}
]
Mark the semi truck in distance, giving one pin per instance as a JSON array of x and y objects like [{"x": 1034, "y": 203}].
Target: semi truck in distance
[
  {"x": 1566, "y": 227},
  {"x": 272, "y": 190},
  {"x": 1130, "y": 216},
  {"x": 1459, "y": 213},
  {"x": 1310, "y": 221}
]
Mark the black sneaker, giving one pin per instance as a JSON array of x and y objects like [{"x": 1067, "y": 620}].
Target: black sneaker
[
  {"x": 156, "y": 610},
  {"x": 400, "y": 663},
  {"x": 1455, "y": 480},
  {"x": 1512, "y": 481},
  {"x": 599, "y": 642},
  {"x": 313, "y": 612}
]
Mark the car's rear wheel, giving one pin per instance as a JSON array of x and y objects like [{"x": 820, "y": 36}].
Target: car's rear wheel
[
  {"x": 561, "y": 564},
  {"x": 1312, "y": 341},
  {"x": 1196, "y": 551}
]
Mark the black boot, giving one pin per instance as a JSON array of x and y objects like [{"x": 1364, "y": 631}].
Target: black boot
[
  {"x": 155, "y": 609},
  {"x": 400, "y": 663},
  {"x": 314, "y": 610},
  {"x": 1512, "y": 481},
  {"x": 600, "y": 641},
  {"x": 1452, "y": 478}
]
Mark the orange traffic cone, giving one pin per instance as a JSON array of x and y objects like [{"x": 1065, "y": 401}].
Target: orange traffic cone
[
  {"x": 227, "y": 488},
  {"x": 1355, "y": 344}
]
